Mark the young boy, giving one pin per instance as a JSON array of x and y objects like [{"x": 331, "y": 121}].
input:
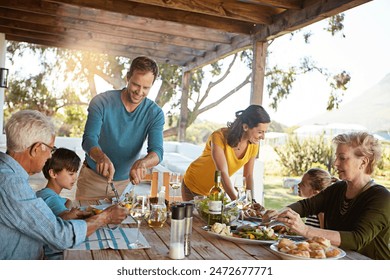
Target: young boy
[{"x": 61, "y": 172}]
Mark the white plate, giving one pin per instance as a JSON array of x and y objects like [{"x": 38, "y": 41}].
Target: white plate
[
  {"x": 241, "y": 240},
  {"x": 285, "y": 256}
]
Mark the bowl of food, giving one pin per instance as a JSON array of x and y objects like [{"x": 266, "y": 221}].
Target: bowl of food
[{"x": 229, "y": 214}]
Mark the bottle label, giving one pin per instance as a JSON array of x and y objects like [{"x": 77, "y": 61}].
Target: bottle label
[{"x": 215, "y": 207}]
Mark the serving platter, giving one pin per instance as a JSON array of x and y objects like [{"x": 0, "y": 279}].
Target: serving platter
[
  {"x": 285, "y": 256},
  {"x": 241, "y": 240}
]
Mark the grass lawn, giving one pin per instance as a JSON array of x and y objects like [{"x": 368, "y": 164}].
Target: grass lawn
[{"x": 276, "y": 196}]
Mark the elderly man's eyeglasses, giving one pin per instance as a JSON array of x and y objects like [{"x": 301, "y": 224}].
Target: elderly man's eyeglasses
[{"x": 52, "y": 149}]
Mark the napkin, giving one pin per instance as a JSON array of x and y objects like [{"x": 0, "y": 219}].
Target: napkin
[{"x": 119, "y": 238}]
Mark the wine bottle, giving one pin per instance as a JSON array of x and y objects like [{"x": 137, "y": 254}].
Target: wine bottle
[{"x": 215, "y": 203}]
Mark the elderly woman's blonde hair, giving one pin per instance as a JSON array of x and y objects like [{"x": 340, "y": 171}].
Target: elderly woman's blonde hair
[{"x": 364, "y": 144}]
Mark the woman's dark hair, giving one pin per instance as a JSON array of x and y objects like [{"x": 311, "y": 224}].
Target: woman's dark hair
[
  {"x": 62, "y": 159},
  {"x": 251, "y": 116}
]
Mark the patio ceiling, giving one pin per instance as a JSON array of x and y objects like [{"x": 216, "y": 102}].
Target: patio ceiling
[{"x": 189, "y": 33}]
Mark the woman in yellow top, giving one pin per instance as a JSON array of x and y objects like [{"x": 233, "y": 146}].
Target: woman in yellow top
[{"x": 228, "y": 149}]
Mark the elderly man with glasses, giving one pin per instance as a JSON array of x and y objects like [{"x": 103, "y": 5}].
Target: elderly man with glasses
[{"x": 26, "y": 222}]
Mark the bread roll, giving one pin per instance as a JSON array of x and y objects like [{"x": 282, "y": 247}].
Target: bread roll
[
  {"x": 299, "y": 253},
  {"x": 318, "y": 254},
  {"x": 286, "y": 249},
  {"x": 285, "y": 242},
  {"x": 325, "y": 243},
  {"x": 303, "y": 246},
  {"x": 332, "y": 252}
]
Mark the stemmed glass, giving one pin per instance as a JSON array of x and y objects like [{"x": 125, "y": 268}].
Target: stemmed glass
[
  {"x": 174, "y": 183},
  {"x": 244, "y": 201},
  {"x": 139, "y": 210},
  {"x": 239, "y": 185}
]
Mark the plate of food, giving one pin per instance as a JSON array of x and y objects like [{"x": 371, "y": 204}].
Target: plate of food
[
  {"x": 312, "y": 249},
  {"x": 253, "y": 212},
  {"x": 246, "y": 234}
]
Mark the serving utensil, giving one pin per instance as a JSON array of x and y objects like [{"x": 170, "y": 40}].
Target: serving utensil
[{"x": 111, "y": 185}]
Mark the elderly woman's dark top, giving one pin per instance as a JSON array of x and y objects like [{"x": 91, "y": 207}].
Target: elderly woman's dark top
[{"x": 364, "y": 227}]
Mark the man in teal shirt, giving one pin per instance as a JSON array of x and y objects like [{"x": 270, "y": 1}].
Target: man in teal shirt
[{"x": 119, "y": 122}]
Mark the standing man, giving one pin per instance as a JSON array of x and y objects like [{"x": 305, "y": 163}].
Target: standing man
[
  {"x": 119, "y": 121},
  {"x": 26, "y": 222}
]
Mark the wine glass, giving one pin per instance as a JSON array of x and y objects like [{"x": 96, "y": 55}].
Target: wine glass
[
  {"x": 174, "y": 183},
  {"x": 139, "y": 210},
  {"x": 243, "y": 202},
  {"x": 239, "y": 185}
]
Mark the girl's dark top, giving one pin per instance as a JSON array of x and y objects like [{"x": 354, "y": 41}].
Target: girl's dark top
[{"x": 364, "y": 227}]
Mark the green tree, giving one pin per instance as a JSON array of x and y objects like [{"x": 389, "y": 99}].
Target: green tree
[
  {"x": 299, "y": 155},
  {"x": 81, "y": 67}
]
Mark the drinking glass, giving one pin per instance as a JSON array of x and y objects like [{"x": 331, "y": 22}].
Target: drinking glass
[
  {"x": 174, "y": 183},
  {"x": 158, "y": 212},
  {"x": 239, "y": 185},
  {"x": 139, "y": 210},
  {"x": 244, "y": 201}
]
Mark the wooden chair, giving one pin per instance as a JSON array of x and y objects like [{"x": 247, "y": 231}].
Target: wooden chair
[{"x": 160, "y": 177}]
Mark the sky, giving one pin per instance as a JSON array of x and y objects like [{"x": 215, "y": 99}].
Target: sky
[{"x": 364, "y": 53}]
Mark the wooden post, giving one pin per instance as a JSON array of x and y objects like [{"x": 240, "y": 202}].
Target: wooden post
[
  {"x": 181, "y": 136},
  {"x": 258, "y": 72}
]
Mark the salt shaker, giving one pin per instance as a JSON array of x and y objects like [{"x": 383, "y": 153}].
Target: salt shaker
[
  {"x": 176, "y": 244},
  {"x": 188, "y": 228}
]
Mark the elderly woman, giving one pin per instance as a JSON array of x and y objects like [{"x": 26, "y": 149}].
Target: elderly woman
[{"x": 356, "y": 209}]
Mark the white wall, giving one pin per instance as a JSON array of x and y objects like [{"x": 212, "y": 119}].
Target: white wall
[
  {"x": 3, "y": 49},
  {"x": 71, "y": 143}
]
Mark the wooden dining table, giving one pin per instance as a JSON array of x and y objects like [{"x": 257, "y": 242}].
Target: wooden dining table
[{"x": 204, "y": 246}]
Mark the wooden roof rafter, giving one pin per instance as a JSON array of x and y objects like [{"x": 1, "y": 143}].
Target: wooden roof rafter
[{"x": 185, "y": 33}]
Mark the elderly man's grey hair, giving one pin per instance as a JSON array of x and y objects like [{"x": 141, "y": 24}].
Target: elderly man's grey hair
[{"x": 27, "y": 127}]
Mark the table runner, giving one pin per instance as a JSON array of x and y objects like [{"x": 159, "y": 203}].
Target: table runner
[{"x": 119, "y": 238}]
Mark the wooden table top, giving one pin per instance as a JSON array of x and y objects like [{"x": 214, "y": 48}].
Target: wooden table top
[{"x": 204, "y": 246}]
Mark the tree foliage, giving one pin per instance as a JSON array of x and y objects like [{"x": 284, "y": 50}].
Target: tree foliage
[
  {"x": 74, "y": 72},
  {"x": 299, "y": 155}
]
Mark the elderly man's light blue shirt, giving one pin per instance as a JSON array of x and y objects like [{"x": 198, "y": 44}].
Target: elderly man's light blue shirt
[{"x": 26, "y": 222}]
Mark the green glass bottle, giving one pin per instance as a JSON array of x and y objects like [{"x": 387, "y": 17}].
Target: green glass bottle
[{"x": 215, "y": 203}]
